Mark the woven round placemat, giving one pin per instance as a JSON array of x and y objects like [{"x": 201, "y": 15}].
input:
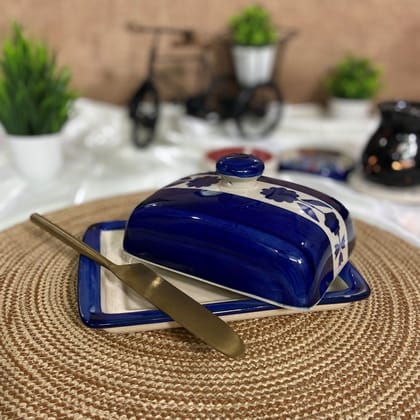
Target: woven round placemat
[{"x": 361, "y": 361}]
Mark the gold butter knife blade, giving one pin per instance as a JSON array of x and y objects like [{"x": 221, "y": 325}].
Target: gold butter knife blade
[{"x": 179, "y": 306}]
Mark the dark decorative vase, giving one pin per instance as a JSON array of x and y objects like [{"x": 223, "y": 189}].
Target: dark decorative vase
[{"x": 392, "y": 155}]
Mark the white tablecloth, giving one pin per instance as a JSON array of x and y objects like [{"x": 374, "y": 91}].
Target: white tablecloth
[{"x": 100, "y": 161}]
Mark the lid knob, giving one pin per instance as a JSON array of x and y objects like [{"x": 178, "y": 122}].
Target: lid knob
[{"x": 240, "y": 165}]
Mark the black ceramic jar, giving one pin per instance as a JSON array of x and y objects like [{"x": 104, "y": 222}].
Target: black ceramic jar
[{"x": 392, "y": 155}]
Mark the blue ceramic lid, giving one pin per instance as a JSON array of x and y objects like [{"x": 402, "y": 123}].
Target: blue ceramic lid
[
  {"x": 240, "y": 165},
  {"x": 272, "y": 240}
]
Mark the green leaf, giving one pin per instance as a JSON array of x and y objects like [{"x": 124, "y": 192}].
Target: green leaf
[
  {"x": 253, "y": 27},
  {"x": 354, "y": 78},
  {"x": 35, "y": 95}
]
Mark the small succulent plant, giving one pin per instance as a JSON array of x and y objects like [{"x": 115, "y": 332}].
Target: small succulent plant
[
  {"x": 34, "y": 93},
  {"x": 354, "y": 78},
  {"x": 253, "y": 27}
]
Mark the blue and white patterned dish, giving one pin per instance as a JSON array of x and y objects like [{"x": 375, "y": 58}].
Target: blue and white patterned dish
[
  {"x": 105, "y": 303},
  {"x": 323, "y": 162},
  {"x": 271, "y": 240}
]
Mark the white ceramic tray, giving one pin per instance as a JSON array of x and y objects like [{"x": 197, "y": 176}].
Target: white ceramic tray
[{"x": 104, "y": 302}]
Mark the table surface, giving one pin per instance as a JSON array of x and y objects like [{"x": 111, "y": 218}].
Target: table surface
[
  {"x": 360, "y": 361},
  {"x": 357, "y": 362},
  {"x": 100, "y": 161}
]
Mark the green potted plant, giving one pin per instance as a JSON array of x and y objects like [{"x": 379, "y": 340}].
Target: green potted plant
[
  {"x": 351, "y": 85},
  {"x": 254, "y": 38},
  {"x": 35, "y": 100}
]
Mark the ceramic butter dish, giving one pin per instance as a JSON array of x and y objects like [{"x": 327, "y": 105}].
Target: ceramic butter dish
[{"x": 272, "y": 240}]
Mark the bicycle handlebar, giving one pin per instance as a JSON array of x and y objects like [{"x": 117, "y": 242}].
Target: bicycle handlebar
[{"x": 134, "y": 27}]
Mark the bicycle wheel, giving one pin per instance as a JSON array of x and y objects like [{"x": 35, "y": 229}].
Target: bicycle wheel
[
  {"x": 144, "y": 112},
  {"x": 258, "y": 110},
  {"x": 220, "y": 98}
]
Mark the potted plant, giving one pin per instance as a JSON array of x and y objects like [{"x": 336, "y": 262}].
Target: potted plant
[
  {"x": 351, "y": 85},
  {"x": 254, "y": 38},
  {"x": 34, "y": 105}
]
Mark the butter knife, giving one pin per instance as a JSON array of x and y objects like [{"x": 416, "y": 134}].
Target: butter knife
[{"x": 183, "y": 309}]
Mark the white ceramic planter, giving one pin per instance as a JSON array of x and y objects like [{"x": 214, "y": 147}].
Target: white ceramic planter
[
  {"x": 253, "y": 65},
  {"x": 341, "y": 108},
  {"x": 37, "y": 158}
]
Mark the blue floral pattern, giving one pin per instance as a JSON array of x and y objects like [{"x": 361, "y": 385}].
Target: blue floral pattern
[
  {"x": 204, "y": 181},
  {"x": 280, "y": 194},
  {"x": 339, "y": 248},
  {"x": 179, "y": 182},
  {"x": 332, "y": 223},
  {"x": 318, "y": 210}
]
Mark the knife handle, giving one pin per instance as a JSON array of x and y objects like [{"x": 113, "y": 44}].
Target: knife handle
[{"x": 70, "y": 240}]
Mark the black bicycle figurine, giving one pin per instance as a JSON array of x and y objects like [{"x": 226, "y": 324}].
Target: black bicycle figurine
[{"x": 256, "y": 110}]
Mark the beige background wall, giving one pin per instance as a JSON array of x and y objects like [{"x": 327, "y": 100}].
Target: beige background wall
[{"x": 107, "y": 62}]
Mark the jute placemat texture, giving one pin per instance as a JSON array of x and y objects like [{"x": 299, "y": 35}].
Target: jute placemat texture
[{"x": 361, "y": 361}]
